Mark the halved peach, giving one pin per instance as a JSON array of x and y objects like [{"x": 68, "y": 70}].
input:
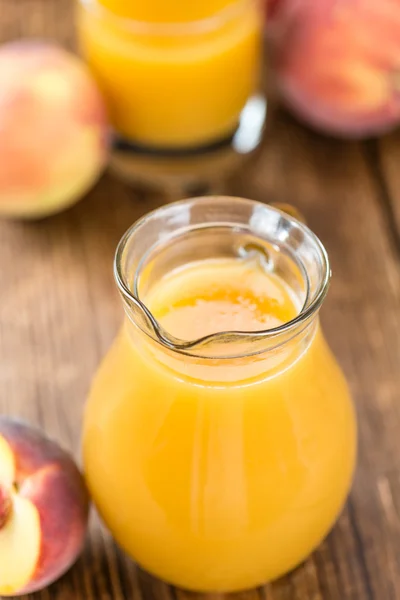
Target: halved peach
[{"x": 43, "y": 509}]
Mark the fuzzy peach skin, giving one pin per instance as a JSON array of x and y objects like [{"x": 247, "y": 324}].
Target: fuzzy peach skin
[
  {"x": 53, "y": 129},
  {"x": 43, "y": 509},
  {"x": 337, "y": 63}
]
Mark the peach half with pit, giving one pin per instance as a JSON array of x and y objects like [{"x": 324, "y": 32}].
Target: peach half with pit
[{"x": 44, "y": 508}]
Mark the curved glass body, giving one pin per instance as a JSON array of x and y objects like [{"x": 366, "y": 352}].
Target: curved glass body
[{"x": 219, "y": 436}]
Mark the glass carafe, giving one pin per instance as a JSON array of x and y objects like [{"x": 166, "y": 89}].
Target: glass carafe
[{"x": 221, "y": 462}]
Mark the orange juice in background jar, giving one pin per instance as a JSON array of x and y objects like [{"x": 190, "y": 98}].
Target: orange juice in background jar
[
  {"x": 219, "y": 436},
  {"x": 176, "y": 75}
]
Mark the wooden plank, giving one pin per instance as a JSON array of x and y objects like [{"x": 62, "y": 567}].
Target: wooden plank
[
  {"x": 59, "y": 311},
  {"x": 386, "y": 156}
]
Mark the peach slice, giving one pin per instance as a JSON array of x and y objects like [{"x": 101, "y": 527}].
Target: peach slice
[{"x": 43, "y": 509}]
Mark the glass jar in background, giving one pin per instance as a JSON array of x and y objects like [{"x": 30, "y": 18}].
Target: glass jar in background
[
  {"x": 182, "y": 84},
  {"x": 219, "y": 436}
]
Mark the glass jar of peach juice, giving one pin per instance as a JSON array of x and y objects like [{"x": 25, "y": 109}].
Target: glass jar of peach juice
[
  {"x": 219, "y": 435},
  {"x": 180, "y": 78}
]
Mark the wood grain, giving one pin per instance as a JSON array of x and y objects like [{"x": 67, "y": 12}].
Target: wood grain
[{"x": 59, "y": 312}]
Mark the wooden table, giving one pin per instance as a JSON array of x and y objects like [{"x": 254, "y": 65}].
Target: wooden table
[{"x": 59, "y": 312}]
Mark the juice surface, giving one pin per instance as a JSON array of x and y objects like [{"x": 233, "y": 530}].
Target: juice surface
[
  {"x": 173, "y": 89},
  {"x": 220, "y": 295},
  {"x": 166, "y": 11},
  {"x": 219, "y": 474}
]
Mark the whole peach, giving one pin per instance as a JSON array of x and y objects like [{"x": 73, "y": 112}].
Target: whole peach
[
  {"x": 43, "y": 509},
  {"x": 53, "y": 129},
  {"x": 337, "y": 63}
]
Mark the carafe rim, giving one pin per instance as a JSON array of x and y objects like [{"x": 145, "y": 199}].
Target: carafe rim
[{"x": 260, "y": 340}]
